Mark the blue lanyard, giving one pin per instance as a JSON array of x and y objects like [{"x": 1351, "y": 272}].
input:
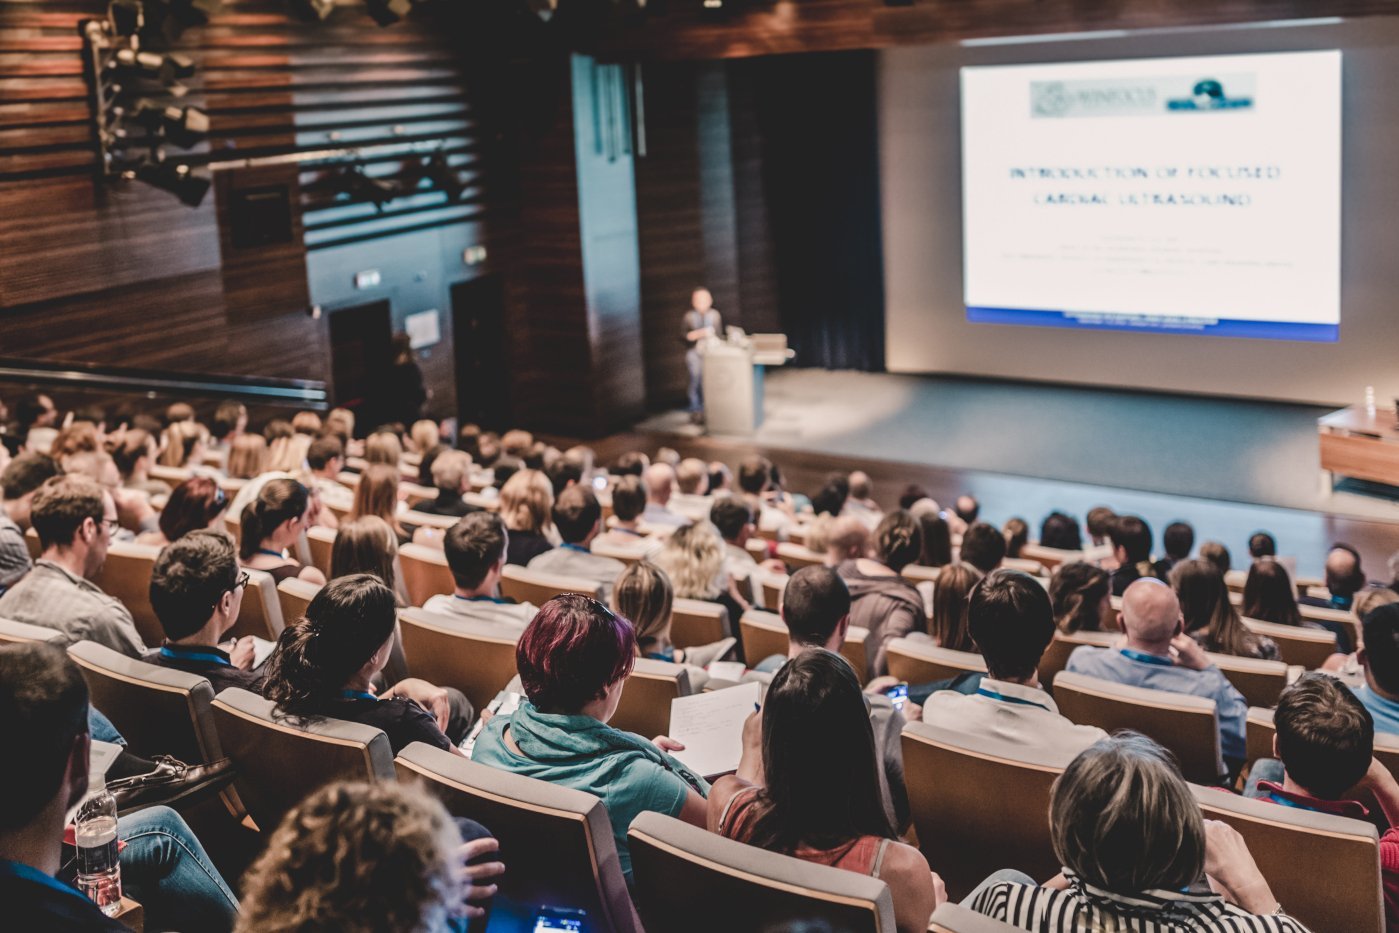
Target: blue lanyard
[
  {"x": 176, "y": 653},
  {"x": 30, "y": 873},
  {"x": 357, "y": 695},
  {"x": 1145, "y": 658},
  {"x": 271, "y": 553},
  {"x": 480, "y": 599},
  {"x": 1284, "y": 801},
  {"x": 575, "y": 547},
  {"x": 987, "y": 692}
]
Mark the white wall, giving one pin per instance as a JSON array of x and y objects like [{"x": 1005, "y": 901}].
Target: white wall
[{"x": 920, "y": 153}]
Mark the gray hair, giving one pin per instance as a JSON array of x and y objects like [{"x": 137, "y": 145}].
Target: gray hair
[{"x": 1123, "y": 819}]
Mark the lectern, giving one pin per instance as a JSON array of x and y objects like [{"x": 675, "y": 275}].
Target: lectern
[{"x": 733, "y": 380}]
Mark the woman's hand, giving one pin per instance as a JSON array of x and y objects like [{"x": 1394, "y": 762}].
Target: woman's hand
[{"x": 477, "y": 879}]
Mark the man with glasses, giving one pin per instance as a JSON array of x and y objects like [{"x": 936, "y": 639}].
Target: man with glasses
[
  {"x": 75, "y": 519},
  {"x": 196, "y": 592}
]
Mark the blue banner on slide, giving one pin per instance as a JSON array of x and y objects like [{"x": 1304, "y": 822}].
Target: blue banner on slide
[{"x": 1093, "y": 320}]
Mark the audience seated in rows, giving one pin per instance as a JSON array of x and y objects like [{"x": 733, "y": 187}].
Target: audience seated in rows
[
  {"x": 813, "y": 706},
  {"x": 1216, "y": 553},
  {"x": 44, "y": 713},
  {"x": 578, "y": 518},
  {"x": 75, "y": 519},
  {"x": 325, "y": 461},
  {"x": 624, "y": 532},
  {"x": 950, "y": 606},
  {"x": 476, "y": 550},
  {"x": 367, "y": 545},
  {"x": 860, "y": 501},
  {"x": 1011, "y": 622},
  {"x": 1210, "y": 618},
  {"x": 1344, "y": 578},
  {"x": 882, "y": 601},
  {"x": 1271, "y": 596},
  {"x": 693, "y": 558},
  {"x": 573, "y": 661},
  {"x": 196, "y": 592},
  {"x": 378, "y": 494},
  {"x": 133, "y": 458},
  {"x": 643, "y": 595},
  {"x": 1159, "y": 655},
  {"x": 271, "y": 524},
  {"x": 690, "y": 498},
  {"x": 324, "y": 666},
  {"x": 1060, "y": 531},
  {"x": 451, "y": 475},
  {"x": 526, "y": 505},
  {"x": 1081, "y": 595},
  {"x": 19, "y": 482},
  {"x": 936, "y": 533},
  {"x": 660, "y": 486},
  {"x": 1178, "y": 540},
  {"x": 1136, "y": 851},
  {"x": 983, "y": 547}
]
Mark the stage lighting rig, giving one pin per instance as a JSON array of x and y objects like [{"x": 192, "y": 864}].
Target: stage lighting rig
[
  {"x": 313, "y": 10},
  {"x": 186, "y": 127},
  {"x": 173, "y": 177},
  {"x": 167, "y": 68}
]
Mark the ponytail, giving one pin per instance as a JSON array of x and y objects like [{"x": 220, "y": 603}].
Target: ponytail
[
  {"x": 277, "y": 501},
  {"x": 344, "y": 625}
]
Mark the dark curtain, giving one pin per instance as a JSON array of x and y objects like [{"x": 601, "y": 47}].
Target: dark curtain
[{"x": 816, "y": 116}]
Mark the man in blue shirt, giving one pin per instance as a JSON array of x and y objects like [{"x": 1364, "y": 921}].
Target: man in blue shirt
[
  {"x": 1380, "y": 659},
  {"x": 1159, "y": 656}
]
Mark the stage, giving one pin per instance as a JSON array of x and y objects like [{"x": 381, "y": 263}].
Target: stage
[{"x": 1229, "y": 466}]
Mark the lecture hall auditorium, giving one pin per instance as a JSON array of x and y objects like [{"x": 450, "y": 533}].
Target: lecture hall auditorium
[{"x": 769, "y": 466}]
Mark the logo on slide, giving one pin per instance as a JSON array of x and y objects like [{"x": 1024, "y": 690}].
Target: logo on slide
[{"x": 1208, "y": 94}]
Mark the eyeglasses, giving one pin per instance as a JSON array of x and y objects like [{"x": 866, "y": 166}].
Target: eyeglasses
[
  {"x": 242, "y": 581},
  {"x": 111, "y": 524}
]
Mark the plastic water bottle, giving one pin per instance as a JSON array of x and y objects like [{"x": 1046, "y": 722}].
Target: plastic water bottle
[{"x": 99, "y": 872}]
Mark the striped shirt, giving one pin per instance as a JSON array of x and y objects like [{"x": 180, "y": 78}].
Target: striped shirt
[{"x": 1083, "y": 908}]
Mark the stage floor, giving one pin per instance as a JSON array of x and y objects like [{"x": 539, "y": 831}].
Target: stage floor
[{"x": 1038, "y": 447}]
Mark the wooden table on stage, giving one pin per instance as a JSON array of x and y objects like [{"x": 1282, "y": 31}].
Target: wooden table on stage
[{"x": 1360, "y": 443}]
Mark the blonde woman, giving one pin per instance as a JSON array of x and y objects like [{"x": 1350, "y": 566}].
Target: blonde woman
[
  {"x": 693, "y": 557},
  {"x": 360, "y": 857},
  {"x": 377, "y": 494},
  {"x": 643, "y": 596},
  {"x": 185, "y": 443},
  {"x": 247, "y": 457},
  {"x": 306, "y": 422},
  {"x": 383, "y": 447},
  {"x": 288, "y": 454},
  {"x": 526, "y": 502}
]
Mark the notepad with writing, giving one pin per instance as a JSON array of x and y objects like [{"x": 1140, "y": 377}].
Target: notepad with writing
[{"x": 710, "y": 726}]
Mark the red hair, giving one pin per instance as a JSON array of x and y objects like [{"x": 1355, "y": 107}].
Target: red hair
[
  {"x": 191, "y": 506},
  {"x": 572, "y": 651}
]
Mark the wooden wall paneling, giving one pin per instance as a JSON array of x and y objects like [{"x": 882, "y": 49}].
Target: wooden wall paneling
[
  {"x": 262, "y": 279},
  {"x": 756, "y": 264}
]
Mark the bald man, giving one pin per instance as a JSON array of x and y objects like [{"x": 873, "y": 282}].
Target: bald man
[
  {"x": 1159, "y": 655},
  {"x": 660, "y": 485}
]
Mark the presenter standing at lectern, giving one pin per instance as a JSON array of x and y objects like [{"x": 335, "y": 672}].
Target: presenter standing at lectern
[{"x": 701, "y": 321}]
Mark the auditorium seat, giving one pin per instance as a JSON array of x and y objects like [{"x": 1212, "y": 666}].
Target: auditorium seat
[
  {"x": 797, "y": 556},
  {"x": 1324, "y": 869},
  {"x": 1327, "y": 614},
  {"x": 1056, "y": 656},
  {"x": 625, "y": 554},
  {"x": 1259, "y": 681},
  {"x": 965, "y": 830},
  {"x": 321, "y": 541},
  {"x": 697, "y": 622},
  {"x": 763, "y": 634},
  {"x": 921, "y": 662},
  {"x": 954, "y": 918},
  {"x": 917, "y": 573},
  {"x": 279, "y": 761},
  {"x": 413, "y": 493},
  {"x": 171, "y": 475},
  {"x": 772, "y": 586},
  {"x": 126, "y": 574},
  {"x": 645, "y": 704},
  {"x": 159, "y": 710},
  {"x": 1186, "y": 725},
  {"x": 1025, "y": 565},
  {"x": 31, "y": 541},
  {"x": 22, "y": 632},
  {"x": 530, "y": 586},
  {"x": 1307, "y": 647},
  {"x": 1049, "y": 557},
  {"x": 425, "y": 572},
  {"x": 478, "y": 658},
  {"x": 293, "y": 596},
  {"x": 556, "y": 842},
  {"x": 428, "y": 520},
  {"x": 261, "y": 613},
  {"x": 689, "y": 880}
]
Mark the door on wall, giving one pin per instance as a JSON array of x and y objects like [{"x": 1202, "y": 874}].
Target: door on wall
[
  {"x": 360, "y": 359},
  {"x": 478, "y": 328}
]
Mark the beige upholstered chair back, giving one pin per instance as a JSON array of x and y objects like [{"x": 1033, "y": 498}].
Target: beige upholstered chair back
[
  {"x": 1186, "y": 725},
  {"x": 696, "y": 622},
  {"x": 158, "y": 710},
  {"x": 530, "y": 586},
  {"x": 1259, "y": 681},
  {"x": 1056, "y": 656},
  {"x": 1324, "y": 869},
  {"x": 966, "y": 830},
  {"x": 689, "y": 880},
  {"x": 763, "y": 634},
  {"x": 1309, "y": 647},
  {"x": 280, "y": 761},
  {"x": 293, "y": 596},
  {"x": 645, "y": 704},
  {"x": 12, "y": 631},
  {"x": 425, "y": 572},
  {"x": 556, "y": 842},
  {"x": 478, "y": 658},
  {"x": 261, "y": 613},
  {"x": 921, "y": 662},
  {"x": 126, "y": 575},
  {"x": 321, "y": 541}
]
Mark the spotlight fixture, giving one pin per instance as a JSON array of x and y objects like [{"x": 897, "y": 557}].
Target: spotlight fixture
[
  {"x": 167, "y": 20},
  {"x": 165, "y": 67},
  {"x": 388, "y": 12},
  {"x": 127, "y": 17},
  {"x": 313, "y": 9},
  {"x": 176, "y": 178},
  {"x": 186, "y": 127}
]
